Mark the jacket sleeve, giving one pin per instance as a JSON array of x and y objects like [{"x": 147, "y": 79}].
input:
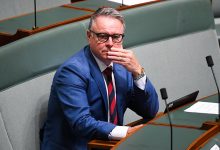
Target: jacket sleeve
[
  {"x": 144, "y": 102},
  {"x": 70, "y": 89}
]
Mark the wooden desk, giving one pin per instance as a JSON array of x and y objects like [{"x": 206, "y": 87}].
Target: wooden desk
[{"x": 191, "y": 131}]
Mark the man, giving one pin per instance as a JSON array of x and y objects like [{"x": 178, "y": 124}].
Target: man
[{"x": 88, "y": 102}]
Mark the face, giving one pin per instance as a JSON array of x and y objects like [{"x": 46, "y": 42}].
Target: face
[{"x": 109, "y": 25}]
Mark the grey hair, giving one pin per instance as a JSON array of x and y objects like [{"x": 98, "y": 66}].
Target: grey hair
[{"x": 106, "y": 11}]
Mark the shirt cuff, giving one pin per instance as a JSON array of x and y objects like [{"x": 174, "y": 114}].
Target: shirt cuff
[
  {"x": 140, "y": 83},
  {"x": 118, "y": 133}
]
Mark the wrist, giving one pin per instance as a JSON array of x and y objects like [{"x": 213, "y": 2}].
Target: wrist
[
  {"x": 118, "y": 132},
  {"x": 137, "y": 71},
  {"x": 139, "y": 74}
]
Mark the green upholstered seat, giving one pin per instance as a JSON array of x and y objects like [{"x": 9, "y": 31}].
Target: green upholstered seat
[
  {"x": 166, "y": 20},
  {"x": 52, "y": 16},
  {"x": 44, "y": 18},
  {"x": 95, "y": 4},
  {"x": 40, "y": 53},
  {"x": 52, "y": 47},
  {"x": 27, "y": 65}
]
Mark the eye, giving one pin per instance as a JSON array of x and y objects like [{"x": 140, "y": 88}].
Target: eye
[
  {"x": 103, "y": 36},
  {"x": 116, "y": 36}
]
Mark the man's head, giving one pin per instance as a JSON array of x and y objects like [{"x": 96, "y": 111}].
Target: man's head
[
  {"x": 106, "y": 30},
  {"x": 106, "y": 11}
]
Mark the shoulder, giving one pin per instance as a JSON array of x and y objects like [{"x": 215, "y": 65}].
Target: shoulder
[{"x": 76, "y": 66}]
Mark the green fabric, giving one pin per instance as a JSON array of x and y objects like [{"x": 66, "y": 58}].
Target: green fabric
[
  {"x": 44, "y": 18},
  {"x": 179, "y": 117},
  {"x": 45, "y": 51},
  {"x": 95, "y": 4},
  {"x": 40, "y": 53},
  {"x": 166, "y": 20},
  {"x": 153, "y": 137}
]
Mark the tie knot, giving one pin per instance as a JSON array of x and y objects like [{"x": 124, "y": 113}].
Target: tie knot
[{"x": 108, "y": 71}]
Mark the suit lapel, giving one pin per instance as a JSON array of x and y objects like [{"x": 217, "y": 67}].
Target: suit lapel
[{"x": 97, "y": 75}]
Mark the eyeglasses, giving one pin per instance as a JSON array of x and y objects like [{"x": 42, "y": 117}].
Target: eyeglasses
[{"x": 103, "y": 37}]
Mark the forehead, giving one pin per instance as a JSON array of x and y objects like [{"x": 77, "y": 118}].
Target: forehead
[{"x": 107, "y": 23}]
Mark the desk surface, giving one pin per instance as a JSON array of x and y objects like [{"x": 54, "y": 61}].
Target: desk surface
[
  {"x": 153, "y": 137},
  {"x": 179, "y": 117},
  {"x": 187, "y": 132}
]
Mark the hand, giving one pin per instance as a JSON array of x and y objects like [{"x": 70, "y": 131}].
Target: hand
[
  {"x": 133, "y": 129},
  {"x": 125, "y": 58}
]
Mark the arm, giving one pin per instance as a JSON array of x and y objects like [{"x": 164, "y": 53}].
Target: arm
[
  {"x": 145, "y": 102},
  {"x": 71, "y": 89},
  {"x": 144, "y": 99}
]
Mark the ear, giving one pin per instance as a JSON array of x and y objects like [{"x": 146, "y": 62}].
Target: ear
[{"x": 88, "y": 33}]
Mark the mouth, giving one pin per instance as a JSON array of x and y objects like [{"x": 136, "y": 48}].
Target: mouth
[
  {"x": 105, "y": 52},
  {"x": 107, "y": 49}
]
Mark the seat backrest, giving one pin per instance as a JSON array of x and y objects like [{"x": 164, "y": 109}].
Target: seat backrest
[
  {"x": 27, "y": 67},
  {"x": 170, "y": 38}
]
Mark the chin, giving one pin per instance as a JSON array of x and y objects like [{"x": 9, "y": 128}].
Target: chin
[{"x": 106, "y": 61}]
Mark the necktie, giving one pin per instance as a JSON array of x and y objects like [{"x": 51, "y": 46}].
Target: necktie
[{"x": 111, "y": 94}]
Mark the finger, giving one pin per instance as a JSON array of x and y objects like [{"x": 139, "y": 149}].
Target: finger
[
  {"x": 115, "y": 49},
  {"x": 117, "y": 54},
  {"x": 118, "y": 57}
]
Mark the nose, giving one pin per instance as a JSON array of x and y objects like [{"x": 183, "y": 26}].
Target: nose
[{"x": 109, "y": 42}]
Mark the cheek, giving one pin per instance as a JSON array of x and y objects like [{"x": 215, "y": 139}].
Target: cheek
[{"x": 99, "y": 50}]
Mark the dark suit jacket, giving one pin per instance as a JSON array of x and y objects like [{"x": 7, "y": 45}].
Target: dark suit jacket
[{"x": 77, "y": 109}]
